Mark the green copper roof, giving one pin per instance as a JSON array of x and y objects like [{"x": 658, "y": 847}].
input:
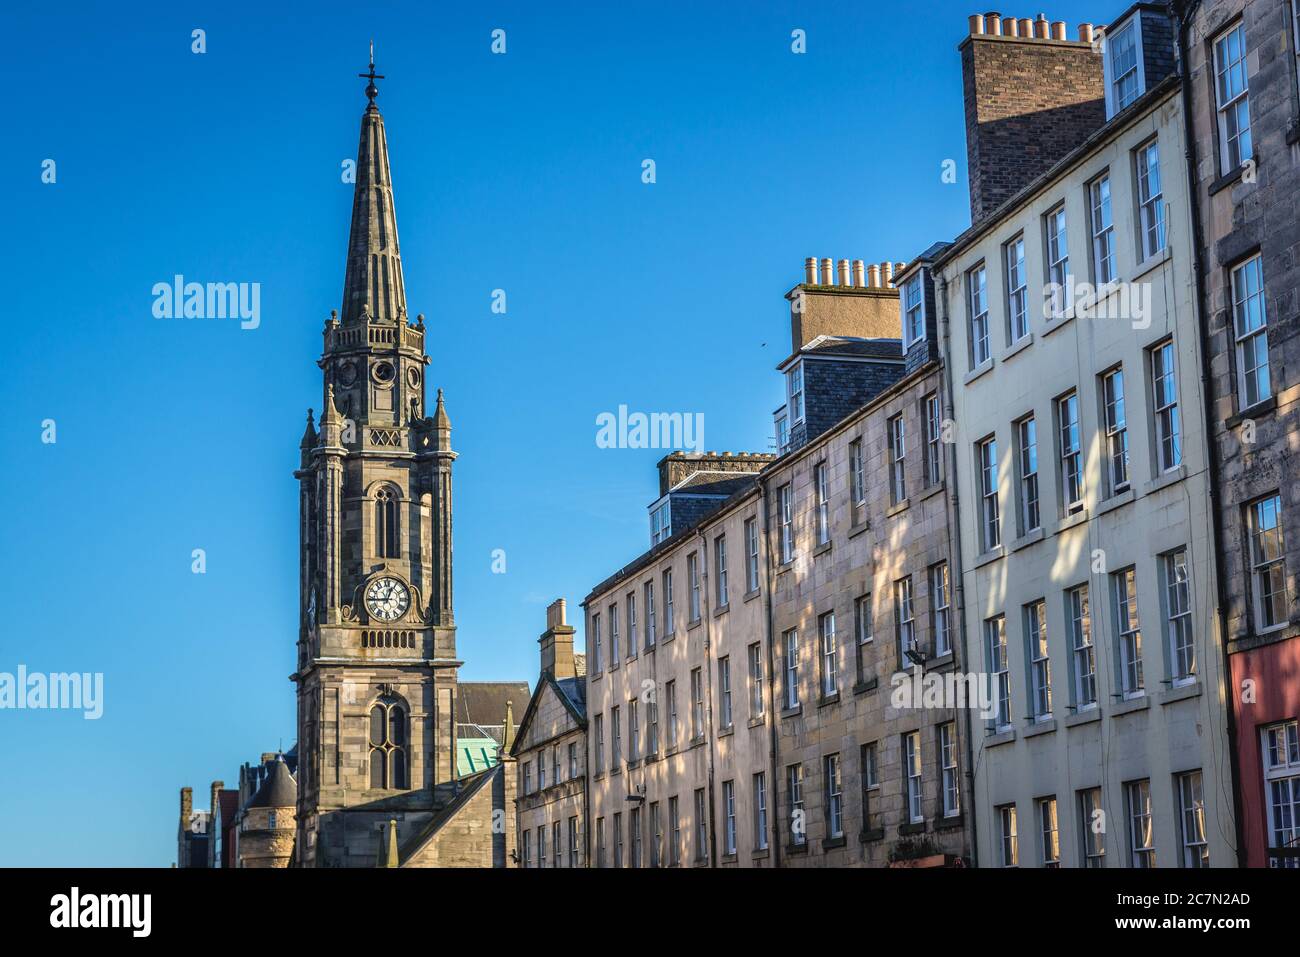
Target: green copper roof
[{"x": 474, "y": 755}]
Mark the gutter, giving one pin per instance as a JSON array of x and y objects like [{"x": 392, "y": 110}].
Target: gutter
[
  {"x": 1182, "y": 14},
  {"x": 958, "y": 578}
]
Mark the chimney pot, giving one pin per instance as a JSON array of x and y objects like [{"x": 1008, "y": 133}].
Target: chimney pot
[
  {"x": 1085, "y": 32},
  {"x": 555, "y": 613},
  {"x": 887, "y": 274},
  {"x": 844, "y": 272},
  {"x": 993, "y": 23},
  {"x": 976, "y": 24},
  {"x": 1027, "y": 28},
  {"x": 810, "y": 270},
  {"x": 828, "y": 272},
  {"x": 873, "y": 276},
  {"x": 1059, "y": 31},
  {"x": 1010, "y": 27},
  {"x": 1042, "y": 29},
  {"x": 859, "y": 273}
]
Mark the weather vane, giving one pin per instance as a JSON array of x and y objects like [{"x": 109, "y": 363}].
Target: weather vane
[{"x": 372, "y": 91}]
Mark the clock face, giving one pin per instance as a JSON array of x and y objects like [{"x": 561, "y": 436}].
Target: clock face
[{"x": 387, "y": 599}]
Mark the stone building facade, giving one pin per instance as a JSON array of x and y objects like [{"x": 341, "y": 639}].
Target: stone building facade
[
  {"x": 265, "y": 826},
  {"x": 550, "y": 755},
  {"x": 732, "y": 719},
  {"x": 1242, "y": 84},
  {"x": 1086, "y": 534}
]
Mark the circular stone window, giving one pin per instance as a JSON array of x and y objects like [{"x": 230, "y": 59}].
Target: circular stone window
[
  {"x": 383, "y": 372},
  {"x": 347, "y": 374},
  {"x": 413, "y": 377}
]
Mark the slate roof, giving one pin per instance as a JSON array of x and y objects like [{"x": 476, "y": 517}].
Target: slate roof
[
  {"x": 484, "y": 702},
  {"x": 279, "y": 789}
]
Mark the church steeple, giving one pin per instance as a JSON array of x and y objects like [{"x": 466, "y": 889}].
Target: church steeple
[{"x": 373, "y": 285}]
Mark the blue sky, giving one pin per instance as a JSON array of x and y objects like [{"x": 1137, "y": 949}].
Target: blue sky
[{"x": 520, "y": 172}]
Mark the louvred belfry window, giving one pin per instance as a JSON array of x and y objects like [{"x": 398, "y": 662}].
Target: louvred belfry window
[
  {"x": 388, "y": 737},
  {"x": 387, "y": 537}
]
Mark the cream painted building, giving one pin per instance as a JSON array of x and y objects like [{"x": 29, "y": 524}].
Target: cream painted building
[{"x": 1086, "y": 543}]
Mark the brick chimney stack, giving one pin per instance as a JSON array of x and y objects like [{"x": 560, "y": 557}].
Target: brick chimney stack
[
  {"x": 1031, "y": 97},
  {"x": 557, "y": 643},
  {"x": 187, "y": 807}
]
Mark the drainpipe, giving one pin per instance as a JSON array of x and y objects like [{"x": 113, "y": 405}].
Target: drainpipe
[
  {"x": 711, "y": 739},
  {"x": 958, "y": 578},
  {"x": 1183, "y": 14},
  {"x": 771, "y": 672}
]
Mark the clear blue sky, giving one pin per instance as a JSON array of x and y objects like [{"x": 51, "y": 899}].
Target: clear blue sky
[{"x": 519, "y": 172}]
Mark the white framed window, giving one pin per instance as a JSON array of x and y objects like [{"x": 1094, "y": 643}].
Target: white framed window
[
  {"x": 834, "y": 797},
  {"x": 595, "y": 642},
  {"x": 528, "y": 848},
  {"x": 1067, "y": 419},
  {"x": 913, "y": 312},
  {"x": 1081, "y": 646},
  {"x": 933, "y": 438},
  {"x": 1267, "y": 562},
  {"x": 1116, "y": 422},
  {"x": 630, "y": 602},
  {"x": 675, "y": 832},
  {"x": 950, "y": 779},
  {"x": 782, "y": 434},
  {"x": 751, "y": 555},
  {"x": 651, "y": 617},
  {"x": 729, "y": 817},
  {"x": 755, "y": 680},
  {"x": 618, "y": 840},
  {"x": 1169, "y": 441},
  {"x": 760, "y": 811},
  {"x": 1250, "y": 327},
  {"x": 697, "y": 704},
  {"x": 897, "y": 454},
  {"x": 904, "y": 621},
  {"x": 864, "y": 632},
  {"x": 556, "y": 842},
  {"x": 1040, "y": 662},
  {"x": 661, "y": 525},
  {"x": 1232, "y": 97},
  {"x": 573, "y": 842},
  {"x": 1151, "y": 201},
  {"x": 821, "y": 480},
  {"x": 1092, "y": 828},
  {"x": 573, "y": 761},
  {"x": 1050, "y": 838},
  {"x": 670, "y": 698},
  {"x": 794, "y": 393},
  {"x": 1141, "y": 833},
  {"x": 1009, "y": 843},
  {"x": 633, "y": 731},
  {"x": 693, "y": 582},
  {"x": 1013, "y": 255},
  {"x": 720, "y": 568},
  {"x": 995, "y": 650},
  {"x": 614, "y": 650},
  {"x": 857, "y": 476},
  {"x": 724, "y": 692},
  {"x": 656, "y": 835},
  {"x": 1058, "y": 263},
  {"x": 1191, "y": 808},
  {"x": 528, "y": 777},
  {"x": 785, "y": 507},
  {"x": 652, "y": 727},
  {"x": 1178, "y": 617},
  {"x": 986, "y": 453},
  {"x": 869, "y": 759},
  {"x": 830, "y": 668},
  {"x": 1027, "y": 456},
  {"x": 541, "y": 846},
  {"x": 615, "y": 738},
  {"x": 794, "y": 799},
  {"x": 940, "y": 618},
  {"x": 541, "y": 771},
  {"x": 701, "y": 826},
  {"x": 978, "y": 303},
  {"x": 791, "y": 642},
  {"x": 1129, "y": 632},
  {"x": 1123, "y": 67},
  {"x": 1281, "y": 753},
  {"x": 1103, "y": 231},
  {"x": 914, "y": 790},
  {"x": 600, "y": 744},
  {"x": 669, "y": 624}
]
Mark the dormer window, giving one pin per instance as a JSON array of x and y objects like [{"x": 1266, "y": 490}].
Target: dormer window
[
  {"x": 1125, "y": 80},
  {"x": 794, "y": 393},
  {"x": 661, "y": 526},
  {"x": 913, "y": 312},
  {"x": 782, "y": 433}
]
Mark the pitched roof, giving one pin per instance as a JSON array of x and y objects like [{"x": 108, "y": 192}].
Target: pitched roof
[
  {"x": 484, "y": 702},
  {"x": 279, "y": 789},
  {"x": 572, "y": 693}
]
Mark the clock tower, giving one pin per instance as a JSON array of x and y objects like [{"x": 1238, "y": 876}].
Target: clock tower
[{"x": 377, "y": 666}]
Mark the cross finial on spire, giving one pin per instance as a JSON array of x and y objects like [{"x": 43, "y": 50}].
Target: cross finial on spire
[{"x": 372, "y": 91}]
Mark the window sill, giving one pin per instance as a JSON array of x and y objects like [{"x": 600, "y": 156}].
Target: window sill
[
  {"x": 751, "y": 595},
  {"x": 794, "y": 712},
  {"x": 596, "y": 676},
  {"x": 727, "y": 859},
  {"x": 727, "y": 732},
  {"x": 989, "y": 557},
  {"x": 858, "y": 529},
  {"x": 872, "y": 835},
  {"x": 1070, "y": 521},
  {"x": 911, "y": 827},
  {"x": 979, "y": 370},
  {"x": 1116, "y": 501},
  {"x": 1152, "y": 263},
  {"x": 932, "y": 491},
  {"x": 1172, "y": 477},
  {"x": 1051, "y": 325},
  {"x": 692, "y": 625},
  {"x": 1256, "y": 411},
  {"x": 864, "y": 687},
  {"x": 828, "y": 701},
  {"x": 1085, "y": 716},
  {"x": 721, "y": 610},
  {"x": 697, "y": 741},
  {"x": 833, "y": 842},
  {"x": 1230, "y": 178},
  {"x": 951, "y": 822},
  {"x": 1180, "y": 693},
  {"x": 785, "y": 567},
  {"x": 633, "y": 763},
  {"x": 761, "y": 854},
  {"x": 998, "y": 738},
  {"x": 940, "y": 661},
  {"x": 1129, "y": 705},
  {"x": 822, "y": 549},
  {"x": 614, "y": 667},
  {"x": 1037, "y": 727},
  {"x": 1018, "y": 347},
  {"x": 668, "y": 637},
  {"x": 902, "y": 506},
  {"x": 1027, "y": 539},
  {"x": 757, "y": 722},
  {"x": 791, "y": 849}
]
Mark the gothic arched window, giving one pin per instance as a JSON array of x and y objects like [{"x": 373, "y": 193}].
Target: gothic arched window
[
  {"x": 387, "y": 531},
  {"x": 388, "y": 764}
]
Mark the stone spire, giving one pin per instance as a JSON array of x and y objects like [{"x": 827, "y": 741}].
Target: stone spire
[{"x": 373, "y": 286}]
